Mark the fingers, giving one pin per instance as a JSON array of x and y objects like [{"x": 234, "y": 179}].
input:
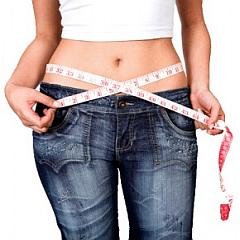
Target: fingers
[
  {"x": 216, "y": 114},
  {"x": 33, "y": 120},
  {"x": 198, "y": 124},
  {"x": 38, "y": 130},
  {"x": 22, "y": 99},
  {"x": 43, "y": 123},
  {"x": 47, "y": 119},
  {"x": 46, "y": 100},
  {"x": 221, "y": 116}
]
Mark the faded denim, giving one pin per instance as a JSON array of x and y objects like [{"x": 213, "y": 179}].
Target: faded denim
[{"x": 152, "y": 148}]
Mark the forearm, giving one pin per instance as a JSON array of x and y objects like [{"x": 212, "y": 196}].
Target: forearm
[
  {"x": 31, "y": 66},
  {"x": 197, "y": 49}
]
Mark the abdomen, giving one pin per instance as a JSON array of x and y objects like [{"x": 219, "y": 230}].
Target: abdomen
[{"x": 119, "y": 60}]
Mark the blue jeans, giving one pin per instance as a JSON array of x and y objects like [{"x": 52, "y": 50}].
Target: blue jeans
[{"x": 154, "y": 149}]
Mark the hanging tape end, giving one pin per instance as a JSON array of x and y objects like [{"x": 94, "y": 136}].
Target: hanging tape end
[{"x": 224, "y": 211}]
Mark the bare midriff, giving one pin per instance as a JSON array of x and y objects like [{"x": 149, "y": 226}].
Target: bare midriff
[{"x": 118, "y": 60}]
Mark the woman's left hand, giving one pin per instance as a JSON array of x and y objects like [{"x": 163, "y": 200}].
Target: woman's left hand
[{"x": 206, "y": 102}]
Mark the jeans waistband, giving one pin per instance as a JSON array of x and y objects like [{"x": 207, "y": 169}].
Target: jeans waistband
[{"x": 125, "y": 102}]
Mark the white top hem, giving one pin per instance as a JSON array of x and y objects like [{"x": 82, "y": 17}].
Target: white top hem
[{"x": 116, "y": 36}]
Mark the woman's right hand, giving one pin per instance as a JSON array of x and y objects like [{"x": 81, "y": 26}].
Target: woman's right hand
[{"x": 22, "y": 99}]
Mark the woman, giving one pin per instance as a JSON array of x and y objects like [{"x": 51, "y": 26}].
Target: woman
[{"x": 78, "y": 149}]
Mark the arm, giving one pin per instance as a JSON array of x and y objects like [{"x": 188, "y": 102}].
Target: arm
[
  {"x": 39, "y": 51},
  {"x": 20, "y": 89},
  {"x": 196, "y": 44}
]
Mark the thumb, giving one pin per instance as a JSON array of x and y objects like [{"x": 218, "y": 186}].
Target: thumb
[
  {"x": 213, "y": 116},
  {"x": 46, "y": 100}
]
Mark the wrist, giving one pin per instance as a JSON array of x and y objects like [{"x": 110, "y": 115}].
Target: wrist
[
  {"x": 196, "y": 92},
  {"x": 197, "y": 89},
  {"x": 8, "y": 85},
  {"x": 198, "y": 83}
]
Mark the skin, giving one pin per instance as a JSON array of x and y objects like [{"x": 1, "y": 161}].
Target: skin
[{"x": 119, "y": 60}]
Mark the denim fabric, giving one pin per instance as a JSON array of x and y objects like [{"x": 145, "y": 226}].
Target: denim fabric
[{"x": 152, "y": 148}]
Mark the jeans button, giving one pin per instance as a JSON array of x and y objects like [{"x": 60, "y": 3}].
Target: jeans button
[{"x": 122, "y": 104}]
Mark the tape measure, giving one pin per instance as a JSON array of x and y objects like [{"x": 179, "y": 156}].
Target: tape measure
[{"x": 109, "y": 86}]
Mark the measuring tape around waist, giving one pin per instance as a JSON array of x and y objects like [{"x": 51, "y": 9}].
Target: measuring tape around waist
[{"x": 131, "y": 86}]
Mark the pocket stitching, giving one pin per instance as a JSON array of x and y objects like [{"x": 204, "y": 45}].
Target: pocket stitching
[
  {"x": 64, "y": 120},
  {"x": 173, "y": 126}
]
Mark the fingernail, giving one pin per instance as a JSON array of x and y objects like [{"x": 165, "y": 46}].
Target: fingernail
[
  {"x": 56, "y": 104},
  {"x": 211, "y": 126}
]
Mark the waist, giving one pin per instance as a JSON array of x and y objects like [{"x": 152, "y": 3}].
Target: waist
[{"x": 118, "y": 60}]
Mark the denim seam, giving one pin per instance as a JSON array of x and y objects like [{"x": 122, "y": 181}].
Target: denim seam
[
  {"x": 116, "y": 142},
  {"x": 86, "y": 134},
  {"x": 57, "y": 166},
  {"x": 156, "y": 154},
  {"x": 130, "y": 143}
]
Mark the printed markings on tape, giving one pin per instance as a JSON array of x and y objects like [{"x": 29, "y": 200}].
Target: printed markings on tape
[{"x": 131, "y": 86}]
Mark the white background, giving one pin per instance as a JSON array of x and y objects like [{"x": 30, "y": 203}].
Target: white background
[{"x": 25, "y": 212}]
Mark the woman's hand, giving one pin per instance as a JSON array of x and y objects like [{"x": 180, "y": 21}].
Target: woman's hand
[
  {"x": 207, "y": 103},
  {"x": 22, "y": 99}
]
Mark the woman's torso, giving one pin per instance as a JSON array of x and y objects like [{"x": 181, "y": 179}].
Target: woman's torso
[{"x": 119, "y": 60}]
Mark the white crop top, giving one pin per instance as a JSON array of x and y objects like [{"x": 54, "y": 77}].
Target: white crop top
[{"x": 116, "y": 20}]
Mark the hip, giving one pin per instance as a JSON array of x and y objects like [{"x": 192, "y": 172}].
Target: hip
[{"x": 128, "y": 124}]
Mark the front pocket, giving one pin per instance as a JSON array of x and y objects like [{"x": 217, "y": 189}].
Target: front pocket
[
  {"x": 179, "y": 123},
  {"x": 61, "y": 117},
  {"x": 58, "y": 148}
]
